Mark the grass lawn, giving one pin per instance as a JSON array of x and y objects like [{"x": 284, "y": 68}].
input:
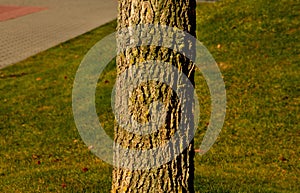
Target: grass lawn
[{"x": 256, "y": 44}]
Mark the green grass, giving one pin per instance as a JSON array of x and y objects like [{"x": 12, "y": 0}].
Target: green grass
[
  {"x": 259, "y": 56},
  {"x": 256, "y": 44}
]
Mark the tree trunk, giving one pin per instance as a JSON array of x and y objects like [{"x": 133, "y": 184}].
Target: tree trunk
[{"x": 176, "y": 175}]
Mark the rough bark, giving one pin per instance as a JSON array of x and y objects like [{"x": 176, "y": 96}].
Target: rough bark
[{"x": 176, "y": 175}]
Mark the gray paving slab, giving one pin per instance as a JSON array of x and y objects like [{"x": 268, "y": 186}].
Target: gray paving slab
[{"x": 28, "y": 35}]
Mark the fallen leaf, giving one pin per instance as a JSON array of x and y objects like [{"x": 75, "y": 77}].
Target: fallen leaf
[
  {"x": 44, "y": 108},
  {"x": 85, "y": 169},
  {"x": 56, "y": 160},
  {"x": 224, "y": 66},
  {"x": 283, "y": 159},
  {"x": 199, "y": 151},
  {"x": 35, "y": 156}
]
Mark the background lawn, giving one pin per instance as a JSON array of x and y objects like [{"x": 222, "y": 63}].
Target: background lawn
[{"x": 255, "y": 43}]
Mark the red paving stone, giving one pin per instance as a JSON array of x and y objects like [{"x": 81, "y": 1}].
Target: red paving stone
[{"x": 11, "y": 12}]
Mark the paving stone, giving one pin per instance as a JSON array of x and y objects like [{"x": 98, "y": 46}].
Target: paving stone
[{"x": 28, "y": 35}]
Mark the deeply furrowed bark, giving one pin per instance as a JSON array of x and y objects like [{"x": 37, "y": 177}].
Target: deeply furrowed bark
[{"x": 176, "y": 175}]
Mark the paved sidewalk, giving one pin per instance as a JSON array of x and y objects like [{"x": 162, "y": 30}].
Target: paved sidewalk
[{"x": 25, "y": 36}]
